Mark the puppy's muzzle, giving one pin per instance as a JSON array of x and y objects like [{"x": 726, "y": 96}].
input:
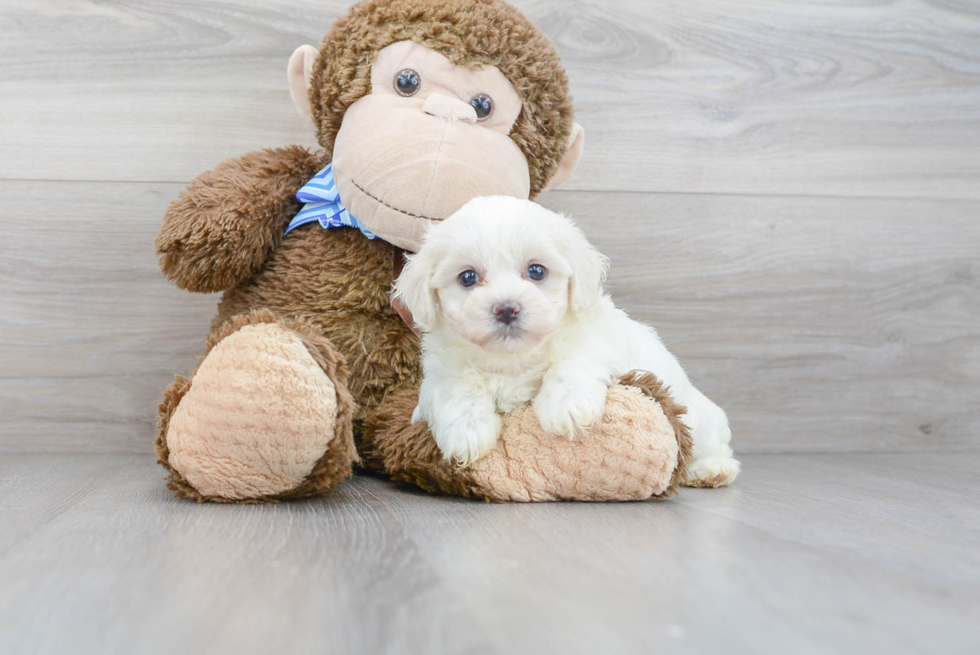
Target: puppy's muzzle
[{"x": 506, "y": 312}]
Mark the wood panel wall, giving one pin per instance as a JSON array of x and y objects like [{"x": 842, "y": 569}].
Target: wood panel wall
[{"x": 789, "y": 191}]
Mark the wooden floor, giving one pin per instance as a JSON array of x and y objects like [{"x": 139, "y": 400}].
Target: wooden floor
[
  {"x": 789, "y": 191},
  {"x": 838, "y": 553}
]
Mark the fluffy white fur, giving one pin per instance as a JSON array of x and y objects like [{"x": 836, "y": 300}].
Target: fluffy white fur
[{"x": 563, "y": 347}]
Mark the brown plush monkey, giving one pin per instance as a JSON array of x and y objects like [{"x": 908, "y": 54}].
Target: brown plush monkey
[{"x": 419, "y": 105}]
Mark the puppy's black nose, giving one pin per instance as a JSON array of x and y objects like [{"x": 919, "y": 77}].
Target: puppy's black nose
[{"x": 506, "y": 313}]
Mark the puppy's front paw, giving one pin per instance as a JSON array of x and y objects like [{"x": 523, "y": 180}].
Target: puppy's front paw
[
  {"x": 467, "y": 438},
  {"x": 570, "y": 409}
]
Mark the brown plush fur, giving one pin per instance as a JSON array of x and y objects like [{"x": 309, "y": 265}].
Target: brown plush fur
[
  {"x": 222, "y": 227},
  {"x": 467, "y": 32},
  {"x": 337, "y": 282},
  {"x": 407, "y": 452},
  {"x": 335, "y": 465}
]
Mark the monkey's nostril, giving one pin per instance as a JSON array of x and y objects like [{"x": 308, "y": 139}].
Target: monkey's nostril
[{"x": 506, "y": 313}]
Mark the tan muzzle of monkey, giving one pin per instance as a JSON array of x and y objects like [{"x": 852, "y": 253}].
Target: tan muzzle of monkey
[{"x": 398, "y": 168}]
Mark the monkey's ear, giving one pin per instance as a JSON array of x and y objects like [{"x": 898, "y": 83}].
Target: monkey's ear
[
  {"x": 300, "y": 71},
  {"x": 576, "y": 145}
]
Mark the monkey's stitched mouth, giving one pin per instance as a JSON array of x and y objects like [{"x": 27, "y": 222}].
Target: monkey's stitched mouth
[{"x": 382, "y": 202}]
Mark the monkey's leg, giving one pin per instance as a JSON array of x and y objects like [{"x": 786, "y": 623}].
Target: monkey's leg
[
  {"x": 638, "y": 451},
  {"x": 266, "y": 415}
]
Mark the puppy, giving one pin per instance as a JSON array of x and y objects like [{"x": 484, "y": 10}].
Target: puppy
[{"x": 510, "y": 299}]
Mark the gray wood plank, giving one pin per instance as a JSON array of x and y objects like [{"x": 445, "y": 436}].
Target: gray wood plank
[
  {"x": 819, "y": 324},
  {"x": 771, "y": 97},
  {"x": 830, "y": 553},
  {"x": 90, "y": 332},
  {"x": 127, "y": 569},
  {"x": 845, "y": 553}
]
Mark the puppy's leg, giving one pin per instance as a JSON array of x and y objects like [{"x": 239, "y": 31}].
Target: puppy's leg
[
  {"x": 571, "y": 399},
  {"x": 464, "y": 422},
  {"x": 712, "y": 460}
]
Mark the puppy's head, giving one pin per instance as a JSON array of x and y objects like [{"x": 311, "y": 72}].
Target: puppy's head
[{"x": 502, "y": 273}]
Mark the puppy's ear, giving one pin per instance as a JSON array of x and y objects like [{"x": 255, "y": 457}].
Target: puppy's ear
[
  {"x": 413, "y": 287},
  {"x": 589, "y": 267}
]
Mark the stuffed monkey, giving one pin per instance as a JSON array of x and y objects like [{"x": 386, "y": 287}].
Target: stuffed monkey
[{"x": 419, "y": 106}]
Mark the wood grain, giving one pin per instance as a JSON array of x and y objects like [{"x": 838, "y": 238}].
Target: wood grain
[
  {"x": 835, "y": 553},
  {"x": 775, "y": 97},
  {"x": 788, "y": 191},
  {"x": 91, "y": 331},
  {"x": 819, "y": 324},
  {"x": 99, "y": 577}
]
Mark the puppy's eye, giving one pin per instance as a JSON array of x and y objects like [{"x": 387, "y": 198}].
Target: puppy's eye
[
  {"x": 536, "y": 272},
  {"x": 483, "y": 104},
  {"x": 468, "y": 278},
  {"x": 407, "y": 82}
]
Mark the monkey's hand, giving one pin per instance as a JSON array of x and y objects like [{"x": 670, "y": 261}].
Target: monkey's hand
[{"x": 221, "y": 228}]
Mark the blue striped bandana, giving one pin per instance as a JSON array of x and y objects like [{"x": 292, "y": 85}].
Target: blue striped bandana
[{"x": 321, "y": 203}]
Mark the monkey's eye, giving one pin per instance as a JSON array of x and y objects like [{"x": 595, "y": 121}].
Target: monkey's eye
[
  {"x": 536, "y": 272},
  {"x": 483, "y": 104},
  {"x": 468, "y": 278},
  {"x": 407, "y": 82}
]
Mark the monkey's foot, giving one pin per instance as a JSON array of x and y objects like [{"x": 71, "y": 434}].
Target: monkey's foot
[
  {"x": 265, "y": 416},
  {"x": 637, "y": 451}
]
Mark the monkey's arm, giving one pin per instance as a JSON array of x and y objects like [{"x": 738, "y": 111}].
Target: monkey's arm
[{"x": 221, "y": 228}]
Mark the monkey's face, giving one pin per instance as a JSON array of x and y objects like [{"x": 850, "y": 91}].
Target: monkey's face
[{"x": 428, "y": 138}]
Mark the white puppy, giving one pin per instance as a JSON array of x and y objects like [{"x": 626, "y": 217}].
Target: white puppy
[{"x": 510, "y": 298}]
